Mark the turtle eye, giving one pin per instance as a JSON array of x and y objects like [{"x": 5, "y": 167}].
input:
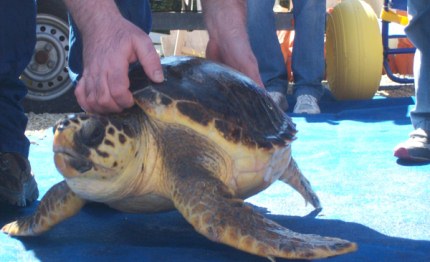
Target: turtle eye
[
  {"x": 92, "y": 133},
  {"x": 60, "y": 125}
]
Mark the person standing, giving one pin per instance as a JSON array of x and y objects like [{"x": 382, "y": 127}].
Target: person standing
[
  {"x": 17, "y": 41},
  {"x": 308, "y": 62},
  {"x": 417, "y": 147}
]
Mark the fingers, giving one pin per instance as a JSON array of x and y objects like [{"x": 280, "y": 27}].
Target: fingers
[
  {"x": 149, "y": 59},
  {"x": 212, "y": 52},
  {"x": 104, "y": 85},
  {"x": 94, "y": 96},
  {"x": 250, "y": 68},
  {"x": 237, "y": 56},
  {"x": 81, "y": 96},
  {"x": 119, "y": 83}
]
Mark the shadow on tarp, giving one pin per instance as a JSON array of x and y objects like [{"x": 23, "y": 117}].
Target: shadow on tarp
[
  {"x": 373, "y": 110},
  {"x": 99, "y": 233}
]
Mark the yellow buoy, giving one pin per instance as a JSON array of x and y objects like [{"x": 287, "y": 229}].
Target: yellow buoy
[{"x": 353, "y": 51}]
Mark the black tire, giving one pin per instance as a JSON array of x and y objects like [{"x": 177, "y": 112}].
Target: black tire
[{"x": 50, "y": 89}]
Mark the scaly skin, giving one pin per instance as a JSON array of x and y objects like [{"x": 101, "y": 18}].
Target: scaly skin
[
  {"x": 295, "y": 178},
  {"x": 58, "y": 204},
  {"x": 211, "y": 208}
]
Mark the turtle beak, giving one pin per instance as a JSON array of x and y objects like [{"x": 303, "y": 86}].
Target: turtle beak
[
  {"x": 80, "y": 164},
  {"x": 71, "y": 166},
  {"x": 62, "y": 137}
]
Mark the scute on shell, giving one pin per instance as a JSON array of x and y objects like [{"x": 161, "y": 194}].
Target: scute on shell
[{"x": 241, "y": 110}]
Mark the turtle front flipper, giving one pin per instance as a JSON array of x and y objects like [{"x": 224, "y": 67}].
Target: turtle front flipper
[
  {"x": 59, "y": 203},
  {"x": 210, "y": 207},
  {"x": 294, "y": 177}
]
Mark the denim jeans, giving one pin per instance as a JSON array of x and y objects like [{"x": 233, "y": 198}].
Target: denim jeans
[
  {"x": 308, "y": 62},
  {"x": 418, "y": 32},
  {"x": 136, "y": 11},
  {"x": 17, "y": 41}
]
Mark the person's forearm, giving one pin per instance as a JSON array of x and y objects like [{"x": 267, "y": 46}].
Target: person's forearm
[
  {"x": 88, "y": 14},
  {"x": 225, "y": 17}
]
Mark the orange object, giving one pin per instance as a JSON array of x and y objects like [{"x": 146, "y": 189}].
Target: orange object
[
  {"x": 402, "y": 63},
  {"x": 405, "y": 62},
  {"x": 286, "y": 40}
]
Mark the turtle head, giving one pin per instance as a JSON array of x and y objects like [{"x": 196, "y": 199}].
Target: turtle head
[{"x": 95, "y": 151}]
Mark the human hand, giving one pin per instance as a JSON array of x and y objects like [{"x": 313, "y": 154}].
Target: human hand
[
  {"x": 110, "y": 44},
  {"x": 228, "y": 37},
  {"x": 234, "y": 55}
]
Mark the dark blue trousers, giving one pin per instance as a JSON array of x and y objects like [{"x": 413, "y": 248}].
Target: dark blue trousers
[{"x": 17, "y": 41}]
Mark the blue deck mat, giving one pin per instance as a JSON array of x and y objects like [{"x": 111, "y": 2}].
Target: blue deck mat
[{"x": 367, "y": 195}]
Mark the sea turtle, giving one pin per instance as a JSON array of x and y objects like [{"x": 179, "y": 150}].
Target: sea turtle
[{"x": 201, "y": 142}]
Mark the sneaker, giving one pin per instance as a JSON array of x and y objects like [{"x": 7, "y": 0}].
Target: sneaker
[
  {"x": 306, "y": 104},
  {"x": 279, "y": 99},
  {"x": 17, "y": 184},
  {"x": 416, "y": 148}
]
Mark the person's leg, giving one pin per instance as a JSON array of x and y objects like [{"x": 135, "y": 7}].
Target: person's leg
[
  {"x": 266, "y": 48},
  {"x": 136, "y": 11},
  {"x": 308, "y": 62},
  {"x": 418, "y": 32},
  {"x": 420, "y": 115},
  {"x": 17, "y": 41},
  {"x": 418, "y": 146}
]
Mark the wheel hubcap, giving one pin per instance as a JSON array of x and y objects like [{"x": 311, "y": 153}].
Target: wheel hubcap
[{"x": 46, "y": 76}]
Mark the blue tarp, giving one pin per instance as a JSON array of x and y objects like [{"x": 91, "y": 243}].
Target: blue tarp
[{"x": 368, "y": 197}]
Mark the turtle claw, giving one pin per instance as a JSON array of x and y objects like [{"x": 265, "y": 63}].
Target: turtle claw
[
  {"x": 304, "y": 246},
  {"x": 21, "y": 227},
  {"x": 12, "y": 229},
  {"x": 294, "y": 177},
  {"x": 58, "y": 204}
]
